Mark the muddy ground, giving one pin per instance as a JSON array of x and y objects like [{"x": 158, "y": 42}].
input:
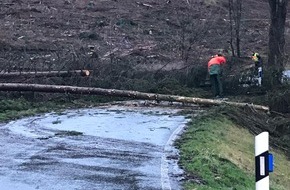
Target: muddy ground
[{"x": 147, "y": 35}]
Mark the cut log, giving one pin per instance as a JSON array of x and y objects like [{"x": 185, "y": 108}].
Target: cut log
[
  {"x": 45, "y": 74},
  {"x": 120, "y": 93},
  {"x": 144, "y": 4}
]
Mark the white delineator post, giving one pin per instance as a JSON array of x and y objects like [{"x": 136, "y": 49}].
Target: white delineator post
[{"x": 262, "y": 161}]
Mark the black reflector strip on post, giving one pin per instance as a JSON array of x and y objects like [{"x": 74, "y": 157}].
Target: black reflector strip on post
[{"x": 262, "y": 166}]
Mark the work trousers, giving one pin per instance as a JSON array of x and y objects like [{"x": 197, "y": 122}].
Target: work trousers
[{"x": 216, "y": 84}]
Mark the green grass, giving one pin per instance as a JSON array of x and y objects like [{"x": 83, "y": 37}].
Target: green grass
[
  {"x": 11, "y": 109},
  {"x": 217, "y": 154},
  {"x": 17, "y": 108}
]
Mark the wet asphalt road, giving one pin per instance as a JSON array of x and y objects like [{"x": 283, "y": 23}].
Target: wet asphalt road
[{"x": 116, "y": 148}]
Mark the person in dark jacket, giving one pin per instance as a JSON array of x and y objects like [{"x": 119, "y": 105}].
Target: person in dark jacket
[
  {"x": 215, "y": 71},
  {"x": 258, "y": 67}
]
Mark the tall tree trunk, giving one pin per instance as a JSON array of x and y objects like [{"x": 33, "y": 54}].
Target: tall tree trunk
[
  {"x": 238, "y": 24},
  {"x": 231, "y": 26},
  {"x": 120, "y": 93},
  {"x": 276, "y": 54},
  {"x": 235, "y": 14}
]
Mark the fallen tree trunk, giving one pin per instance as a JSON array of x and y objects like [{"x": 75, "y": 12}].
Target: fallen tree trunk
[
  {"x": 46, "y": 73},
  {"x": 120, "y": 93}
]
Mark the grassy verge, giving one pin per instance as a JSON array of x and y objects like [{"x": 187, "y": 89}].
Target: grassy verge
[
  {"x": 16, "y": 108},
  {"x": 217, "y": 154}
]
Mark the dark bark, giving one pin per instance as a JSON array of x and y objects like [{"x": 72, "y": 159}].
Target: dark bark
[
  {"x": 235, "y": 13},
  {"x": 276, "y": 54},
  {"x": 238, "y": 24},
  {"x": 231, "y": 26},
  {"x": 120, "y": 93}
]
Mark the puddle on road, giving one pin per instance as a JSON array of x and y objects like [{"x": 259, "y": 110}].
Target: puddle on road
[
  {"x": 127, "y": 124},
  {"x": 133, "y": 141}
]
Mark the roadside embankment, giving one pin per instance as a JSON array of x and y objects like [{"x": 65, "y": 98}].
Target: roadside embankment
[{"x": 217, "y": 153}]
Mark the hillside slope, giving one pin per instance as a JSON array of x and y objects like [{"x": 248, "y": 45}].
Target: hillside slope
[{"x": 68, "y": 34}]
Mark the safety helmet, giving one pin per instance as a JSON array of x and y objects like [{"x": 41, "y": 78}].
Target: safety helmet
[
  {"x": 255, "y": 57},
  {"x": 217, "y": 55}
]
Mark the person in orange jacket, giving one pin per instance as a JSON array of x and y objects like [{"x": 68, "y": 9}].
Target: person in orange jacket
[{"x": 215, "y": 71}]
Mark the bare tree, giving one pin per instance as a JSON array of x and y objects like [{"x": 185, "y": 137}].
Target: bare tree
[
  {"x": 235, "y": 14},
  {"x": 238, "y": 24},
  {"x": 276, "y": 56},
  {"x": 231, "y": 27}
]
